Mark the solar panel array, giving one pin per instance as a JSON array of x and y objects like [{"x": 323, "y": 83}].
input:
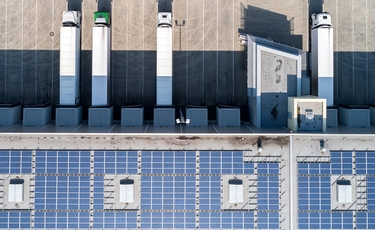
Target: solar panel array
[
  {"x": 315, "y": 195},
  {"x": 168, "y": 190},
  {"x": 178, "y": 189},
  {"x": 15, "y": 162}
]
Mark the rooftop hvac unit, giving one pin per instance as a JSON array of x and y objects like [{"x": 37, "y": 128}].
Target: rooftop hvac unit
[
  {"x": 320, "y": 19},
  {"x": 70, "y": 18},
  {"x": 164, "y": 19},
  {"x": 102, "y": 18},
  {"x": 308, "y": 113}
]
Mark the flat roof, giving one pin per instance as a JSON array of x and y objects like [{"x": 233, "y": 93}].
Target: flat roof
[{"x": 150, "y": 128}]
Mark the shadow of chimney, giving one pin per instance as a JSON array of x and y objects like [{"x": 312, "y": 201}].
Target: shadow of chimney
[
  {"x": 164, "y": 5},
  {"x": 75, "y": 5},
  {"x": 105, "y": 5}
]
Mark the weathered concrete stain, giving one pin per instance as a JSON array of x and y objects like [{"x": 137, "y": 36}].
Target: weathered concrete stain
[
  {"x": 277, "y": 70},
  {"x": 275, "y": 112}
]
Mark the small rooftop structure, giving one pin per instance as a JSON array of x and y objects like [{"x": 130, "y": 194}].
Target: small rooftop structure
[
  {"x": 320, "y": 19},
  {"x": 70, "y": 18},
  {"x": 164, "y": 19},
  {"x": 102, "y": 18},
  {"x": 274, "y": 74}
]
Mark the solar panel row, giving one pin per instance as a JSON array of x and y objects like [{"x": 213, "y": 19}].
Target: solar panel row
[
  {"x": 168, "y": 190},
  {"x": 168, "y": 196},
  {"x": 315, "y": 192}
]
